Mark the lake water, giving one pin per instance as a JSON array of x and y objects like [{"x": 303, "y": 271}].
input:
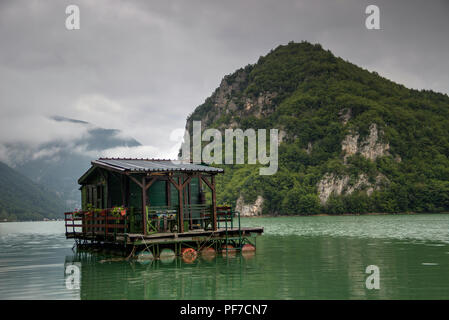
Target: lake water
[{"x": 319, "y": 257}]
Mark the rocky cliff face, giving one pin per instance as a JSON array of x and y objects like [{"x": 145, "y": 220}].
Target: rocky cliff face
[
  {"x": 370, "y": 148},
  {"x": 339, "y": 185},
  {"x": 251, "y": 209}
]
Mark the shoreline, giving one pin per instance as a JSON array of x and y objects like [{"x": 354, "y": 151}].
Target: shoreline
[
  {"x": 340, "y": 215},
  {"x": 292, "y": 215}
]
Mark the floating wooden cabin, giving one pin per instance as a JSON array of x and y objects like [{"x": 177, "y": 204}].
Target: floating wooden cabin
[{"x": 152, "y": 205}]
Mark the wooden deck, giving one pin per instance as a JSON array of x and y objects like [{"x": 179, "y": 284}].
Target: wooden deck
[{"x": 194, "y": 235}]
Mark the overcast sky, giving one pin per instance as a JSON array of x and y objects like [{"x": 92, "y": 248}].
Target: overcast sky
[{"x": 143, "y": 66}]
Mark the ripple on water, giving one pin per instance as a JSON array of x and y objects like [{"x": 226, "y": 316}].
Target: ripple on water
[
  {"x": 296, "y": 258},
  {"x": 422, "y": 227}
]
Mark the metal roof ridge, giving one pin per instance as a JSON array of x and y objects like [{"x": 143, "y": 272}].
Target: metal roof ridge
[
  {"x": 138, "y": 159},
  {"x": 107, "y": 164}
]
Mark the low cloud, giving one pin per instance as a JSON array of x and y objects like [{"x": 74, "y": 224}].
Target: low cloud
[{"x": 142, "y": 66}]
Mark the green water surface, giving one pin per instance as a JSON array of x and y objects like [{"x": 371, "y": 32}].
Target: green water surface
[{"x": 318, "y": 257}]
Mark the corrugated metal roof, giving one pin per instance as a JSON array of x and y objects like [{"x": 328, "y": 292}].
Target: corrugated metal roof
[{"x": 152, "y": 165}]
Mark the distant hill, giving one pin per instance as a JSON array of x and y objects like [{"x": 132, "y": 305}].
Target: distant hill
[
  {"x": 350, "y": 140},
  {"x": 22, "y": 199}
]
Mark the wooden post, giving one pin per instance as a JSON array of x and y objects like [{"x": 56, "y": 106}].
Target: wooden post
[
  {"x": 181, "y": 207},
  {"x": 189, "y": 202},
  {"x": 144, "y": 206},
  {"x": 214, "y": 203},
  {"x": 180, "y": 187},
  {"x": 211, "y": 186}
]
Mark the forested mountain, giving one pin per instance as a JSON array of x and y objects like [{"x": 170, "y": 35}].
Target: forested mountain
[
  {"x": 350, "y": 140},
  {"x": 22, "y": 199}
]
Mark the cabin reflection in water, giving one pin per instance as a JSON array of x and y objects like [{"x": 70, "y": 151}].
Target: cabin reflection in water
[
  {"x": 154, "y": 208},
  {"x": 101, "y": 276}
]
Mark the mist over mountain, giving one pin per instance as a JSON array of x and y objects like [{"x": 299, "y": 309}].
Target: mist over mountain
[
  {"x": 350, "y": 140},
  {"x": 59, "y": 163}
]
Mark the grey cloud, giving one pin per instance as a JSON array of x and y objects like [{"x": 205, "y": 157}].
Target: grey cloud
[{"x": 142, "y": 66}]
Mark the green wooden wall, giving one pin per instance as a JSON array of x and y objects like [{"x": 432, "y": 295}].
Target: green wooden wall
[{"x": 157, "y": 193}]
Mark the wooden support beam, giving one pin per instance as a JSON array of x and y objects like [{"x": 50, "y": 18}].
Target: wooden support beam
[
  {"x": 207, "y": 182},
  {"x": 186, "y": 182},
  {"x": 137, "y": 181},
  {"x": 174, "y": 183},
  {"x": 148, "y": 185},
  {"x": 189, "y": 202},
  {"x": 214, "y": 203},
  {"x": 179, "y": 186},
  {"x": 181, "y": 207},
  {"x": 144, "y": 205}
]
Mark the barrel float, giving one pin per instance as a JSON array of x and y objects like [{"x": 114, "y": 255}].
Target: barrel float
[
  {"x": 248, "y": 251},
  {"x": 208, "y": 254},
  {"x": 248, "y": 247},
  {"x": 167, "y": 255},
  {"x": 228, "y": 249},
  {"x": 189, "y": 255},
  {"x": 145, "y": 257}
]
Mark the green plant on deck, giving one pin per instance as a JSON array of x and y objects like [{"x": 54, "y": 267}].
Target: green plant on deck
[
  {"x": 77, "y": 212},
  {"x": 117, "y": 211}
]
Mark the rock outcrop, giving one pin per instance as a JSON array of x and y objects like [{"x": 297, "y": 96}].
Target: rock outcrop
[
  {"x": 249, "y": 210},
  {"x": 338, "y": 185},
  {"x": 370, "y": 148}
]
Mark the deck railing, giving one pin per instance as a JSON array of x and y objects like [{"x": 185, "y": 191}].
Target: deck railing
[
  {"x": 110, "y": 222},
  {"x": 107, "y": 222}
]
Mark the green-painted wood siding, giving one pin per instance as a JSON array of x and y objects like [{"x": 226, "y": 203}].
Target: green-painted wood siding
[{"x": 157, "y": 193}]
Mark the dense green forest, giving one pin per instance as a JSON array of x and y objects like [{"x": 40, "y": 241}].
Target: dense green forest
[
  {"x": 22, "y": 199},
  {"x": 320, "y": 102}
]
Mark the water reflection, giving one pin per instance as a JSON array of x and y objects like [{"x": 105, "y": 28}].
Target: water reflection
[
  {"x": 37, "y": 262},
  {"x": 289, "y": 267},
  {"x": 110, "y": 277}
]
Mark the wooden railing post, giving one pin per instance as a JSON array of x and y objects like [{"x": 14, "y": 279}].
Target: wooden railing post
[
  {"x": 106, "y": 225},
  {"x": 214, "y": 204},
  {"x": 181, "y": 206}
]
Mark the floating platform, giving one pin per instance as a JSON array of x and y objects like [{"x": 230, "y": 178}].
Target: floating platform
[
  {"x": 155, "y": 246},
  {"x": 167, "y": 237}
]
